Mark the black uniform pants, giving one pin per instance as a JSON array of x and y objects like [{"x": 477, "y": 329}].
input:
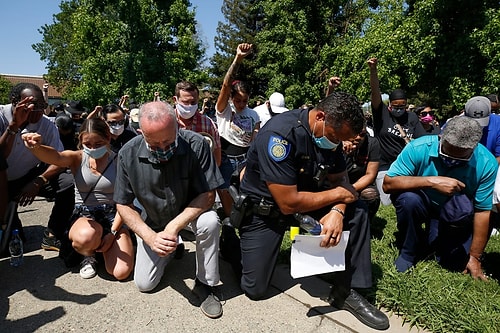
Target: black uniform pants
[{"x": 260, "y": 244}]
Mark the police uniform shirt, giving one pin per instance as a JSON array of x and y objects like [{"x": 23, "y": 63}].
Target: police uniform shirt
[
  {"x": 165, "y": 189},
  {"x": 284, "y": 153}
]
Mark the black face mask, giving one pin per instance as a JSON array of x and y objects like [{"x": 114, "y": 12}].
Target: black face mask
[{"x": 398, "y": 112}]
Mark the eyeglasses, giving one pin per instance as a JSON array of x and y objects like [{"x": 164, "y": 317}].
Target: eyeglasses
[
  {"x": 467, "y": 159},
  {"x": 116, "y": 123},
  {"x": 425, "y": 113}
]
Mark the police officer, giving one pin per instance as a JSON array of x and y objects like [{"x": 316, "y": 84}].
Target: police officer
[{"x": 294, "y": 166}]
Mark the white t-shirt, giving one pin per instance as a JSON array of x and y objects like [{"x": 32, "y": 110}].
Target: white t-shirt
[
  {"x": 20, "y": 159},
  {"x": 237, "y": 127},
  {"x": 263, "y": 113}
]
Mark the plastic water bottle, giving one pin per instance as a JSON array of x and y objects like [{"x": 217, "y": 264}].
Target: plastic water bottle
[
  {"x": 16, "y": 249},
  {"x": 308, "y": 223}
]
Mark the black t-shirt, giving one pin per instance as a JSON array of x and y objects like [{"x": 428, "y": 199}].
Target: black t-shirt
[
  {"x": 122, "y": 139},
  {"x": 357, "y": 161},
  {"x": 284, "y": 153},
  {"x": 390, "y": 138}
]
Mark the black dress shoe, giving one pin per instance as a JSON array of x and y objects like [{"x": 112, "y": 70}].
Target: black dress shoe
[{"x": 363, "y": 311}]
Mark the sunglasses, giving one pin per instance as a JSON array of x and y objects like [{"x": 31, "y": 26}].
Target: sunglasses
[
  {"x": 467, "y": 159},
  {"x": 116, "y": 123},
  {"x": 425, "y": 113}
]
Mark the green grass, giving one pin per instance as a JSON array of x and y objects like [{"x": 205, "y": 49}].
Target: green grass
[{"x": 428, "y": 296}]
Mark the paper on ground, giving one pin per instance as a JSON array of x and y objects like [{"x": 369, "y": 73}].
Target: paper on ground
[{"x": 308, "y": 258}]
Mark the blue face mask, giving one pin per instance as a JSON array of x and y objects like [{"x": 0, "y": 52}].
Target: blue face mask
[
  {"x": 451, "y": 162},
  {"x": 323, "y": 142},
  {"x": 163, "y": 155},
  {"x": 398, "y": 112},
  {"x": 96, "y": 153}
]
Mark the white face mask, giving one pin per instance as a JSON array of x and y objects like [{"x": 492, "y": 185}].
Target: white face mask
[
  {"x": 117, "y": 129},
  {"x": 186, "y": 111}
]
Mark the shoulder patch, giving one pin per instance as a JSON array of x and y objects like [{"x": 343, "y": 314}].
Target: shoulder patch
[{"x": 278, "y": 148}]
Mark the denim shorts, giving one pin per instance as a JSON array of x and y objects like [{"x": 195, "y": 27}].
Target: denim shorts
[
  {"x": 231, "y": 166},
  {"x": 102, "y": 214}
]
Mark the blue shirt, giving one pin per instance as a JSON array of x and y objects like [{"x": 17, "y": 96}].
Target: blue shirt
[
  {"x": 421, "y": 158},
  {"x": 491, "y": 135}
]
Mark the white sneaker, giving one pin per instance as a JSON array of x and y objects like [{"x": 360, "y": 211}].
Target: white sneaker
[{"x": 88, "y": 267}]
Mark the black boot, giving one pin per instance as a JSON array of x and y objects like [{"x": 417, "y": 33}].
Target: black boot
[{"x": 361, "y": 309}]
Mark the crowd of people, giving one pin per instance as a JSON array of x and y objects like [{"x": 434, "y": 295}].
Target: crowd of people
[{"x": 128, "y": 180}]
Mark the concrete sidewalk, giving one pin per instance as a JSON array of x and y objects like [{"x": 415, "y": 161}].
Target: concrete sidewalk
[{"x": 43, "y": 296}]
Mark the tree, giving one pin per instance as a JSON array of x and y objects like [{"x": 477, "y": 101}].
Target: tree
[
  {"x": 440, "y": 49},
  {"x": 297, "y": 43},
  {"x": 5, "y": 88},
  {"x": 242, "y": 21},
  {"x": 97, "y": 50}
]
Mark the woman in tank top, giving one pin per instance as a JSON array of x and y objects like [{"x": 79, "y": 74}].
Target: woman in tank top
[{"x": 97, "y": 227}]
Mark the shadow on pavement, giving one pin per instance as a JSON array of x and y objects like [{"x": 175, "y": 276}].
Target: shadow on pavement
[{"x": 38, "y": 277}]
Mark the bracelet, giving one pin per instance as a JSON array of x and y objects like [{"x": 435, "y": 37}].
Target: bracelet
[
  {"x": 338, "y": 210},
  {"x": 44, "y": 179}
]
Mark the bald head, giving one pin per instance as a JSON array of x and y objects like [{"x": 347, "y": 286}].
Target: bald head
[{"x": 158, "y": 124}]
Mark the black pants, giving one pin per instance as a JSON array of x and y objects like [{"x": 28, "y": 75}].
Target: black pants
[
  {"x": 61, "y": 188},
  {"x": 260, "y": 244}
]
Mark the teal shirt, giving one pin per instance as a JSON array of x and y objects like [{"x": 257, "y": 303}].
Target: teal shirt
[{"x": 421, "y": 158}]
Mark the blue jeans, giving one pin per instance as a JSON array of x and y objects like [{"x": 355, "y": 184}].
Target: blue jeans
[
  {"x": 231, "y": 166},
  {"x": 422, "y": 234}
]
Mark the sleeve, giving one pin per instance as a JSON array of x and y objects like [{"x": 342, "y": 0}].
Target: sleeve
[
  {"x": 51, "y": 136},
  {"x": 210, "y": 177},
  {"x": 406, "y": 162},
  {"x": 338, "y": 161},
  {"x": 484, "y": 194},
  {"x": 276, "y": 158},
  {"x": 373, "y": 150},
  {"x": 418, "y": 128},
  {"x": 123, "y": 193}
]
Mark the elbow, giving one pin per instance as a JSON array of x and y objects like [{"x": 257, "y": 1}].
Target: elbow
[
  {"x": 288, "y": 210},
  {"x": 387, "y": 186}
]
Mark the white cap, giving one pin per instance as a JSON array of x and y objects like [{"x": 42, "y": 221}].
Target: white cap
[{"x": 277, "y": 102}]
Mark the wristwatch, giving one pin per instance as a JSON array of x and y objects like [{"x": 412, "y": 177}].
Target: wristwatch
[{"x": 11, "y": 132}]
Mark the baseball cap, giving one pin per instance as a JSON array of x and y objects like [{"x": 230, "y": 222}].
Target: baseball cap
[
  {"x": 277, "y": 102},
  {"x": 134, "y": 115},
  {"x": 479, "y": 108}
]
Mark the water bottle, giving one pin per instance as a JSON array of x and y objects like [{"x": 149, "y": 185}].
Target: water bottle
[
  {"x": 308, "y": 223},
  {"x": 16, "y": 249}
]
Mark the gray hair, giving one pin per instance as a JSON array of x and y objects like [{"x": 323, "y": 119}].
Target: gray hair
[
  {"x": 157, "y": 112},
  {"x": 462, "y": 132}
]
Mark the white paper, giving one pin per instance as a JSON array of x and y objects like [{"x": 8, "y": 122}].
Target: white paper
[{"x": 308, "y": 258}]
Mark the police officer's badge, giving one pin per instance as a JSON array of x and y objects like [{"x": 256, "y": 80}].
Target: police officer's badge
[{"x": 278, "y": 148}]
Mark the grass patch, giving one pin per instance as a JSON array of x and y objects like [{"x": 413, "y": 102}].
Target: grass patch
[{"x": 428, "y": 296}]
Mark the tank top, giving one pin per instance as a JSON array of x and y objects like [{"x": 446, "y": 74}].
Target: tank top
[{"x": 85, "y": 180}]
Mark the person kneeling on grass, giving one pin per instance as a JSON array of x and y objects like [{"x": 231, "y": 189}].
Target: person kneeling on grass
[
  {"x": 446, "y": 182},
  {"x": 96, "y": 227}
]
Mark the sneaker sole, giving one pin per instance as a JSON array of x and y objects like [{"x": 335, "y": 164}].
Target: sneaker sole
[
  {"x": 88, "y": 276},
  {"x": 50, "y": 248}
]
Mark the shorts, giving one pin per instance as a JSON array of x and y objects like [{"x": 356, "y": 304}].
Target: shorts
[
  {"x": 230, "y": 167},
  {"x": 102, "y": 214}
]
